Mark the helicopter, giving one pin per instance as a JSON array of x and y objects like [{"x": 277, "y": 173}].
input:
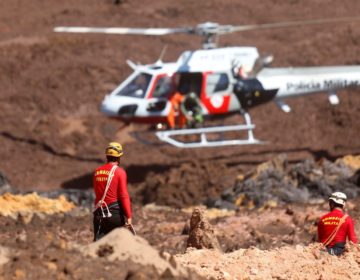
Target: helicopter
[{"x": 226, "y": 80}]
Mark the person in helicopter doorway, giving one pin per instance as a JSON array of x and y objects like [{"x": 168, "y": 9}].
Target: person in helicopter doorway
[
  {"x": 192, "y": 110},
  {"x": 336, "y": 226},
  {"x": 175, "y": 113}
]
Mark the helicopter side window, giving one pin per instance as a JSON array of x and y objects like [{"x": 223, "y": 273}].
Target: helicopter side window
[
  {"x": 190, "y": 82},
  {"x": 217, "y": 82},
  {"x": 163, "y": 87},
  {"x": 137, "y": 87}
]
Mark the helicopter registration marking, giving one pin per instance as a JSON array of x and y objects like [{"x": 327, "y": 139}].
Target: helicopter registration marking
[{"x": 217, "y": 101}]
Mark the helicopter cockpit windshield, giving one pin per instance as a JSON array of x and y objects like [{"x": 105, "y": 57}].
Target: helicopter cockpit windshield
[
  {"x": 137, "y": 86},
  {"x": 165, "y": 85}
]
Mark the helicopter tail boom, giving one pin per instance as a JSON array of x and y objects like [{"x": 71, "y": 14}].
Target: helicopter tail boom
[{"x": 293, "y": 82}]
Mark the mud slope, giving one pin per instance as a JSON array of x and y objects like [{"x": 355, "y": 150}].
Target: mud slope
[{"x": 52, "y": 133}]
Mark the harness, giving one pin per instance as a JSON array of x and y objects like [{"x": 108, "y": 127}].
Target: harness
[
  {"x": 333, "y": 234},
  {"x": 101, "y": 202}
]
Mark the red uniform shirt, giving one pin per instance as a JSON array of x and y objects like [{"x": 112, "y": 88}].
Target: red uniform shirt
[
  {"x": 117, "y": 190},
  {"x": 329, "y": 222}
]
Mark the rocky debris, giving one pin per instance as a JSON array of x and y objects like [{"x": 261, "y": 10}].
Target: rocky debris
[
  {"x": 289, "y": 262},
  {"x": 351, "y": 161},
  {"x": 185, "y": 185},
  {"x": 29, "y": 204},
  {"x": 270, "y": 184},
  {"x": 277, "y": 182},
  {"x": 5, "y": 185},
  {"x": 81, "y": 198},
  {"x": 201, "y": 233},
  {"x": 355, "y": 179}
]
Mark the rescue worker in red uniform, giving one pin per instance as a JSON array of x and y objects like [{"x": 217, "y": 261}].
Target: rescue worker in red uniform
[
  {"x": 336, "y": 226},
  {"x": 112, "y": 200}
]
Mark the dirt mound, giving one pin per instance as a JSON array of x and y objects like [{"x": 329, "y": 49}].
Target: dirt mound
[
  {"x": 310, "y": 262},
  {"x": 121, "y": 245},
  {"x": 59, "y": 247}
]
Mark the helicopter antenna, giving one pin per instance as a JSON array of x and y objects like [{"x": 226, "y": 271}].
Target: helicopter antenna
[
  {"x": 131, "y": 64},
  {"x": 159, "y": 61},
  {"x": 163, "y": 52}
]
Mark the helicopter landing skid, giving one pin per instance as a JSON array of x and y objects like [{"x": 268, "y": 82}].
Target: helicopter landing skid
[{"x": 202, "y": 141}]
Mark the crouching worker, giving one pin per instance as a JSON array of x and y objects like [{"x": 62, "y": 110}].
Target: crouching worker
[
  {"x": 112, "y": 201},
  {"x": 191, "y": 109},
  {"x": 336, "y": 226}
]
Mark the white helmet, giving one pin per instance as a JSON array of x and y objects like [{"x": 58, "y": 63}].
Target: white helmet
[{"x": 338, "y": 197}]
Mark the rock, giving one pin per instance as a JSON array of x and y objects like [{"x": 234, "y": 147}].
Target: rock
[
  {"x": 201, "y": 234},
  {"x": 5, "y": 185},
  {"x": 4, "y": 258}
]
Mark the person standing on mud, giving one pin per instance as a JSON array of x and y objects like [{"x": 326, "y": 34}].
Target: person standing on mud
[
  {"x": 112, "y": 200},
  {"x": 336, "y": 226}
]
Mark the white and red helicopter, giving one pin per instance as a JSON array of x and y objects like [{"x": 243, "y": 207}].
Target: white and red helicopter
[{"x": 226, "y": 80}]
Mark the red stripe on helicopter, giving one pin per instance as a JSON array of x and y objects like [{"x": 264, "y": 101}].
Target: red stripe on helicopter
[{"x": 217, "y": 103}]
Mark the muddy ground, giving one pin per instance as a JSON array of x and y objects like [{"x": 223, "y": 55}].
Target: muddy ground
[
  {"x": 42, "y": 245},
  {"x": 52, "y": 133}
]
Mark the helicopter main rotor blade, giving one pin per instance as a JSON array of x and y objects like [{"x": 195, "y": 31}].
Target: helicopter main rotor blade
[
  {"x": 287, "y": 24},
  {"x": 122, "y": 30},
  {"x": 207, "y": 30}
]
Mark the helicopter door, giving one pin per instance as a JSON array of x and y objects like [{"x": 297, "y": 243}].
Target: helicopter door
[{"x": 216, "y": 92}]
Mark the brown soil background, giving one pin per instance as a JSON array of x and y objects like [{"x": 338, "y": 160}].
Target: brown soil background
[{"x": 52, "y": 134}]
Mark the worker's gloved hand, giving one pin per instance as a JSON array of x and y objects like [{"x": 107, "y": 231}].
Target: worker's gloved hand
[
  {"x": 189, "y": 117},
  {"x": 129, "y": 226},
  {"x": 199, "y": 118}
]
